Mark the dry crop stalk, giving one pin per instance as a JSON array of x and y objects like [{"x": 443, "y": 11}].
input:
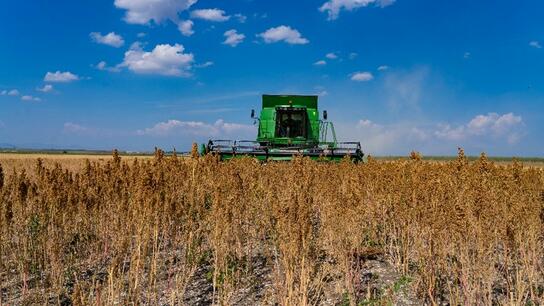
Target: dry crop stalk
[{"x": 465, "y": 232}]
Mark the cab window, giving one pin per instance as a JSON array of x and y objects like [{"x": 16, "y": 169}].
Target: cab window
[{"x": 291, "y": 123}]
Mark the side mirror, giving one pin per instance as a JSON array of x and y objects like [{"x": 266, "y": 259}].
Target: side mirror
[
  {"x": 324, "y": 115},
  {"x": 252, "y": 113}
]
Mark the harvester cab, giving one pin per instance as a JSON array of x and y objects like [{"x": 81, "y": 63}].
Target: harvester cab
[{"x": 289, "y": 125}]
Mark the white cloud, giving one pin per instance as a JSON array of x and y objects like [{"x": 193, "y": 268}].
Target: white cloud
[
  {"x": 30, "y": 98},
  {"x": 467, "y": 55},
  {"x": 323, "y": 93},
  {"x": 232, "y": 38},
  {"x": 13, "y": 92},
  {"x": 383, "y": 138},
  {"x": 3, "y": 92},
  {"x": 137, "y": 45},
  {"x": 352, "y": 55},
  {"x": 110, "y": 39},
  {"x": 73, "y": 128},
  {"x": 60, "y": 77},
  {"x": 320, "y": 63},
  {"x": 196, "y": 128},
  {"x": 204, "y": 65},
  {"x": 383, "y": 68},
  {"x": 366, "y": 123},
  {"x": 320, "y": 91},
  {"x": 46, "y": 88},
  {"x": 535, "y": 44},
  {"x": 104, "y": 66},
  {"x": 214, "y": 14},
  {"x": 283, "y": 33},
  {"x": 144, "y": 11},
  {"x": 333, "y": 7},
  {"x": 241, "y": 18},
  {"x": 186, "y": 27},
  {"x": 490, "y": 125},
  {"x": 163, "y": 60},
  {"x": 446, "y": 131},
  {"x": 493, "y": 122},
  {"x": 331, "y": 55},
  {"x": 141, "y": 34},
  {"x": 361, "y": 76},
  {"x": 482, "y": 132}
]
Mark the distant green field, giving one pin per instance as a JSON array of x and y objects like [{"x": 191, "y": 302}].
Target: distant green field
[{"x": 72, "y": 152}]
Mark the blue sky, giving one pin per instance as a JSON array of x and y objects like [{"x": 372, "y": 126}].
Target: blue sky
[{"x": 396, "y": 75}]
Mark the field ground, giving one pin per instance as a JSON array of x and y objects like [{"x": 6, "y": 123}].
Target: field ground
[
  {"x": 71, "y": 162},
  {"x": 159, "y": 230},
  {"x": 529, "y": 161},
  {"x": 75, "y": 160}
]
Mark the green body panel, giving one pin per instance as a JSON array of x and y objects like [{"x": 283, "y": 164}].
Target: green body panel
[
  {"x": 267, "y": 120},
  {"x": 271, "y": 101}
]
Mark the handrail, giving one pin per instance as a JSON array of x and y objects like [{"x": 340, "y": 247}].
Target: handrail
[
  {"x": 333, "y": 133},
  {"x": 324, "y": 127}
]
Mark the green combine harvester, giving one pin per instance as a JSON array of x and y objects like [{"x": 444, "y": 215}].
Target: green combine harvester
[{"x": 289, "y": 125}]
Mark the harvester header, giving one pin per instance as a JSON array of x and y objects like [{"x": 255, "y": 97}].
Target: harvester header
[{"x": 289, "y": 125}]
